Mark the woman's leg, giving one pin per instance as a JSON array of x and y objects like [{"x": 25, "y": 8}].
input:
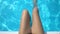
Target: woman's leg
[
  {"x": 36, "y": 26},
  {"x": 25, "y": 27}
]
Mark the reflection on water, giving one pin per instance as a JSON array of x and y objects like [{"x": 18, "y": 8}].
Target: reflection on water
[{"x": 11, "y": 11}]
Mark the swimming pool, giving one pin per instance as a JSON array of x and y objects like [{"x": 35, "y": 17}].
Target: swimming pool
[{"x": 11, "y": 12}]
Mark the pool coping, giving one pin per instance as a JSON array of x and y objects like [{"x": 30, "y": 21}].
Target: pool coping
[{"x": 15, "y": 32}]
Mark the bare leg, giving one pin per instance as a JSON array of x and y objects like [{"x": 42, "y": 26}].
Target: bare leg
[
  {"x": 25, "y": 27},
  {"x": 36, "y": 26}
]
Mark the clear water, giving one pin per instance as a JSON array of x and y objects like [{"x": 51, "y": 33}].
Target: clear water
[{"x": 11, "y": 12}]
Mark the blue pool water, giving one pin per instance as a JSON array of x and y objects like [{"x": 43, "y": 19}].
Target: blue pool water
[{"x": 11, "y": 12}]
